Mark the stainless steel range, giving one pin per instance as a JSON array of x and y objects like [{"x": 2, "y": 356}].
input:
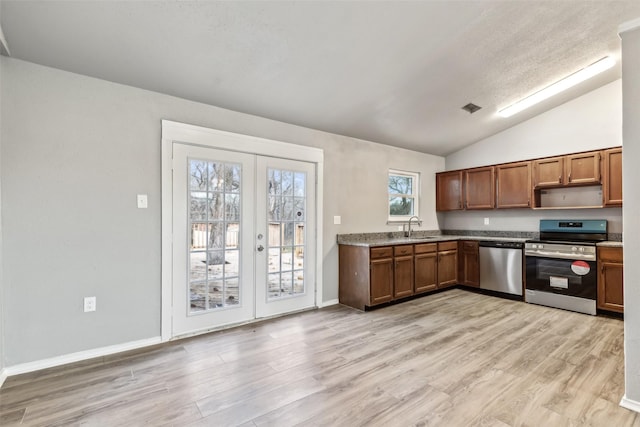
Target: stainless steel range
[{"x": 561, "y": 267}]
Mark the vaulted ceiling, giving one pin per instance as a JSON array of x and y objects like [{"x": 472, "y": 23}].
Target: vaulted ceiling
[{"x": 393, "y": 72}]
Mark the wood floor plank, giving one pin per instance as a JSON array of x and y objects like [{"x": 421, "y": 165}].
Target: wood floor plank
[{"x": 454, "y": 358}]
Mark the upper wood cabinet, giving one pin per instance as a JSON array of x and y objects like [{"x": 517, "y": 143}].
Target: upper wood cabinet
[
  {"x": 479, "y": 188},
  {"x": 513, "y": 182},
  {"x": 612, "y": 177},
  {"x": 548, "y": 172},
  {"x": 449, "y": 191},
  {"x": 538, "y": 183},
  {"x": 583, "y": 168},
  {"x": 573, "y": 169}
]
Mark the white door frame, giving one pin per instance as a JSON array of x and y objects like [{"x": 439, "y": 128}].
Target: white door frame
[{"x": 197, "y": 135}]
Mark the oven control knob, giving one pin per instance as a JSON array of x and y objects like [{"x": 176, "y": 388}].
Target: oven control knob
[{"x": 573, "y": 248}]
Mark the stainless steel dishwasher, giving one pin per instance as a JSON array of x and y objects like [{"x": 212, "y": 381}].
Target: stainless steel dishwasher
[{"x": 501, "y": 266}]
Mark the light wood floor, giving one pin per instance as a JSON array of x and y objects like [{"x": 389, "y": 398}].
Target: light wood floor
[{"x": 452, "y": 359}]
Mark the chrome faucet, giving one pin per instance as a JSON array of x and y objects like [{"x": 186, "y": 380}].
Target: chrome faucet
[{"x": 408, "y": 232}]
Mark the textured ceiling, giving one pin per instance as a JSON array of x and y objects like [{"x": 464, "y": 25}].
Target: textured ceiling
[{"x": 392, "y": 72}]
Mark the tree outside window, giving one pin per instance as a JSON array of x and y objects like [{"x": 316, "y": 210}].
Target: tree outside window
[{"x": 403, "y": 195}]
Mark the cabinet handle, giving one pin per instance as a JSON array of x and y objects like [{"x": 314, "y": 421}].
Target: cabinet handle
[
  {"x": 529, "y": 203},
  {"x": 569, "y": 177},
  {"x": 560, "y": 179}
]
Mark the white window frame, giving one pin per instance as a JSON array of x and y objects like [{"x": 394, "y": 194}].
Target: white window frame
[{"x": 415, "y": 195}]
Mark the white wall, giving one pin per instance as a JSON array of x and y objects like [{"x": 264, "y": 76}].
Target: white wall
[
  {"x": 631, "y": 177},
  {"x": 77, "y": 150},
  {"x": 590, "y": 122}
]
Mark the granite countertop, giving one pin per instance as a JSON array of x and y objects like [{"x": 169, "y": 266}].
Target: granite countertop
[
  {"x": 372, "y": 241},
  {"x": 419, "y": 236},
  {"x": 610, "y": 244}
]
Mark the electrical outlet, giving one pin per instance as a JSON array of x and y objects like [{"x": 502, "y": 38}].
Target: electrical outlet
[
  {"x": 486, "y": 221},
  {"x": 89, "y": 304},
  {"x": 337, "y": 220},
  {"x": 142, "y": 201}
]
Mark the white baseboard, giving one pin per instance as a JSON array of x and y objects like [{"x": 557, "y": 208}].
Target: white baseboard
[
  {"x": 3, "y": 376},
  {"x": 328, "y": 303},
  {"x": 23, "y": 368},
  {"x": 633, "y": 405}
]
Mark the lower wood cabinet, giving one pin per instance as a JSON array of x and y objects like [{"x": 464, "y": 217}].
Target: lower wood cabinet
[
  {"x": 447, "y": 264},
  {"x": 469, "y": 265},
  {"x": 425, "y": 267},
  {"x": 403, "y": 271},
  {"x": 372, "y": 276},
  {"x": 610, "y": 279}
]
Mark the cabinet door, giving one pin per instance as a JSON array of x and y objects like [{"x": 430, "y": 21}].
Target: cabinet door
[
  {"x": 610, "y": 288},
  {"x": 449, "y": 191},
  {"x": 426, "y": 272},
  {"x": 469, "y": 271},
  {"x": 403, "y": 277},
  {"x": 548, "y": 172},
  {"x": 514, "y": 185},
  {"x": 583, "y": 168},
  {"x": 447, "y": 268},
  {"x": 610, "y": 279},
  {"x": 479, "y": 188},
  {"x": 612, "y": 178},
  {"x": 381, "y": 280}
]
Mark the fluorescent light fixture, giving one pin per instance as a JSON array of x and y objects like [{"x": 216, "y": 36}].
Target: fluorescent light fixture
[{"x": 564, "y": 84}]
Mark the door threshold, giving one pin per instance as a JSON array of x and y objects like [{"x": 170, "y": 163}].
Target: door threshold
[{"x": 238, "y": 324}]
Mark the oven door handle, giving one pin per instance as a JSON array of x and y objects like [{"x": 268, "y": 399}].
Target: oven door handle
[{"x": 543, "y": 254}]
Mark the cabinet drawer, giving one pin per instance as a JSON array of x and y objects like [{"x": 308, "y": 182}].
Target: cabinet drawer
[
  {"x": 403, "y": 250},
  {"x": 469, "y": 246},
  {"x": 610, "y": 254},
  {"x": 447, "y": 246},
  {"x": 385, "y": 252},
  {"x": 424, "y": 248}
]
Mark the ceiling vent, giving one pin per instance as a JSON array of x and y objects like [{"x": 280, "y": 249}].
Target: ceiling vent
[{"x": 471, "y": 108}]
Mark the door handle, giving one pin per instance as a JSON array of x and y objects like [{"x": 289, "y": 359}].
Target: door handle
[{"x": 260, "y": 248}]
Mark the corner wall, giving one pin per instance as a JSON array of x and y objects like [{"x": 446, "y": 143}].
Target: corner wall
[
  {"x": 2, "y": 321},
  {"x": 76, "y": 151},
  {"x": 590, "y": 122},
  {"x": 631, "y": 178}
]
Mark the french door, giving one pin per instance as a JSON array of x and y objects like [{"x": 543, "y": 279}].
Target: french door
[{"x": 243, "y": 237}]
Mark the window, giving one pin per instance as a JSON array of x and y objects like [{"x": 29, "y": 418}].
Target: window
[{"x": 403, "y": 190}]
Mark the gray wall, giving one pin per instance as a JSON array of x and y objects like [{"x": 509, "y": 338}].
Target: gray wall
[
  {"x": 631, "y": 177},
  {"x": 77, "y": 150},
  {"x": 1, "y": 272},
  {"x": 590, "y": 122}
]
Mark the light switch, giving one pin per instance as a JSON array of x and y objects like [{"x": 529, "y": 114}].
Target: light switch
[
  {"x": 337, "y": 220},
  {"x": 486, "y": 221},
  {"x": 142, "y": 201}
]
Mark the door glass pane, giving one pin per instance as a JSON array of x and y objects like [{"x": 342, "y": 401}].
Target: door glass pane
[
  {"x": 286, "y": 218},
  {"x": 273, "y": 285},
  {"x": 274, "y": 208},
  {"x": 232, "y": 207},
  {"x": 274, "y": 260},
  {"x": 299, "y": 184},
  {"x": 214, "y": 224},
  {"x": 287, "y": 183}
]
